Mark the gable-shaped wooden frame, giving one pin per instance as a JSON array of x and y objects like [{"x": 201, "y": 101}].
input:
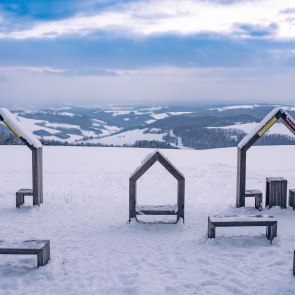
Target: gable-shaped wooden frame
[
  {"x": 277, "y": 114},
  {"x": 146, "y": 165}
]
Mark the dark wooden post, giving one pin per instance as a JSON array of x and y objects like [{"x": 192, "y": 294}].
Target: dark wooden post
[
  {"x": 180, "y": 198},
  {"x": 37, "y": 171},
  {"x": 132, "y": 199},
  {"x": 294, "y": 264},
  {"x": 241, "y": 178}
]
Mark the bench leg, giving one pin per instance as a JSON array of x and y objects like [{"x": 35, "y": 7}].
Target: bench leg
[
  {"x": 271, "y": 232},
  {"x": 20, "y": 199},
  {"x": 211, "y": 230},
  {"x": 258, "y": 202},
  {"x": 44, "y": 255}
]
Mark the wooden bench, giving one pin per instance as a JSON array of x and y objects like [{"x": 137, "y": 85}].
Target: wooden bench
[
  {"x": 157, "y": 210},
  {"x": 234, "y": 220},
  {"x": 20, "y": 196},
  {"x": 292, "y": 198},
  {"x": 257, "y": 194},
  {"x": 41, "y": 248}
]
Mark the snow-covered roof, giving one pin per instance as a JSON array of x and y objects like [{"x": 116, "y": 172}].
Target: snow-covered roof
[
  {"x": 261, "y": 125},
  {"x": 18, "y": 129}
]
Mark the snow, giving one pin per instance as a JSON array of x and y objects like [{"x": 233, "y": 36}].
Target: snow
[
  {"x": 128, "y": 137},
  {"x": 278, "y": 128},
  {"x": 95, "y": 251},
  {"x": 235, "y": 107},
  {"x": 259, "y": 126},
  {"x": 160, "y": 116},
  {"x": 18, "y": 128},
  {"x": 150, "y": 121}
]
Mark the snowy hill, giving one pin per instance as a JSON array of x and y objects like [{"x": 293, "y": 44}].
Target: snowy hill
[
  {"x": 95, "y": 251},
  {"x": 198, "y": 127}
]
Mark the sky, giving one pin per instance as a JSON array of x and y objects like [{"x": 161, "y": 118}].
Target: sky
[{"x": 99, "y": 51}]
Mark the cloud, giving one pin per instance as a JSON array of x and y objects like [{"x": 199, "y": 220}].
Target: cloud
[
  {"x": 145, "y": 18},
  {"x": 249, "y": 30}
]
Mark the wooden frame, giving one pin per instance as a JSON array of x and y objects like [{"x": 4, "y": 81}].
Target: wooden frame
[
  {"x": 161, "y": 210},
  {"x": 273, "y": 117},
  {"x": 37, "y": 165}
]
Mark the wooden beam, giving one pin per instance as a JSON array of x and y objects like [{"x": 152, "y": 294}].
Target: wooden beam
[
  {"x": 37, "y": 171},
  {"x": 241, "y": 178}
]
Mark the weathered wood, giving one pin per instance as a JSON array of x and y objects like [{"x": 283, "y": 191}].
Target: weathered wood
[
  {"x": 257, "y": 194},
  {"x": 20, "y": 196},
  {"x": 241, "y": 178},
  {"x": 277, "y": 115},
  {"x": 41, "y": 248},
  {"x": 37, "y": 168},
  {"x": 292, "y": 198},
  {"x": 276, "y": 192},
  {"x": 132, "y": 199},
  {"x": 230, "y": 221},
  {"x": 147, "y": 164},
  {"x": 294, "y": 263}
]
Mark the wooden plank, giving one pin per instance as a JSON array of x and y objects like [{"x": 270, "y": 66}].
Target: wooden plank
[
  {"x": 156, "y": 212},
  {"x": 145, "y": 166},
  {"x": 276, "y": 192},
  {"x": 292, "y": 198},
  {"x": 294, "y": 263},
  {"x": 241, "y": 178},
  {"x": 37, "y": 169},
  {"x": 132, "y": 199},
  {"x": 168, "y": 165}
]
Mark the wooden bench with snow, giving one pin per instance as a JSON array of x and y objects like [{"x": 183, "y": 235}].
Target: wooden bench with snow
[
  {"x": 41, "y": 248},
  {"x": 257, "y": 194},
  {"x": 20, "y": 196},
  {"x": 157, "y": 210},
  {"x": 235, "y": 220}
]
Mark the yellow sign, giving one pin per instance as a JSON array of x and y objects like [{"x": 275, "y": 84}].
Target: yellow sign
[
  {"x": 11, "y": 128},
  {"x": 267, "y": 126}
]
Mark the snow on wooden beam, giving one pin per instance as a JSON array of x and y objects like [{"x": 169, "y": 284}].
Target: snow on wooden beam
[{"x": 18, "y": 129}]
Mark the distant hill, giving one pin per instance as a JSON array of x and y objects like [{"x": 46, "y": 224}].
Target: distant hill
[{"x": 197, "y": 127}]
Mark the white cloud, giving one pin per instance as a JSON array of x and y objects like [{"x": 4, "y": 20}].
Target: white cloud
[{"x": 146, "y": 18}]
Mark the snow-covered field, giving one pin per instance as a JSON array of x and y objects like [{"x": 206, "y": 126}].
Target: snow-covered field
[{"x": 95, "y": 251}]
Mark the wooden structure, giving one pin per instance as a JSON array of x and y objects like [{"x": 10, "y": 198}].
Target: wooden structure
[
  {"x": 177, "y": 210},
  {"x": 276, "y": 192},
  {"x": 235, "y": 220},
  {"x": 41, "y": 248},
  {"x": 278, "y": 114},
  {"x": 294, "y": 263},
  {"x": 257, "y": 194},
  {"x": 37, "y": 162},
  {"x": 292, "y": 198}
]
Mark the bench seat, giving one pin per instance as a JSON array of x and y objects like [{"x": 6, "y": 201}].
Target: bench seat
[
  {"x": 257, "y": 194},
  {"x": 41, "y": 248},
  {"x": 242, "y": 220},
  {"x": 157, "y": 210}
]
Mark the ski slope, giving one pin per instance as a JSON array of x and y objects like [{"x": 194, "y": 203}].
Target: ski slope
[{"x": 95, "y": 251}]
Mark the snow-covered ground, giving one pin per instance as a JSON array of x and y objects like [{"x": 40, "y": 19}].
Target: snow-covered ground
[
  {"x": 95, "y": 251},
  {"x": 278, "y": 128}
]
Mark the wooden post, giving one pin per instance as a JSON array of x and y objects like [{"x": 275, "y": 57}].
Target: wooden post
[
  {"x": 132, "y": 199},
  {"x": 37, "y": 170},
  {"x": 294, "y": 264},
  {"x": 241, "y": 178},
  {"x": 180, "y": 199}
]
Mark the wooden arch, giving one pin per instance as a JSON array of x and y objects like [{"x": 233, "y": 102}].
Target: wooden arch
[
  {"x": 35, "y": 146},
  {"x": 277, "y": 114},
  {"x": 134, "y": 210}
]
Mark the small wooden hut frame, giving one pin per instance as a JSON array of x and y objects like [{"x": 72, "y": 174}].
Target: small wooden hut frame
[
  {"x": 135, "y": 210},
  {"x": 35, "y": 146},
  {"x": 277, "y": 114}
]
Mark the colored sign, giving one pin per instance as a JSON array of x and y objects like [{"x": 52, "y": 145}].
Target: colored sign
[
  {"x": 290, "y": 123},
  {"x": 267, "y": 126},
  {"x": 11, "y": 128}
]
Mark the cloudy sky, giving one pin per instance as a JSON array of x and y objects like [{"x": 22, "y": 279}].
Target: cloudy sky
[{"x": 73, "y": 51}]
